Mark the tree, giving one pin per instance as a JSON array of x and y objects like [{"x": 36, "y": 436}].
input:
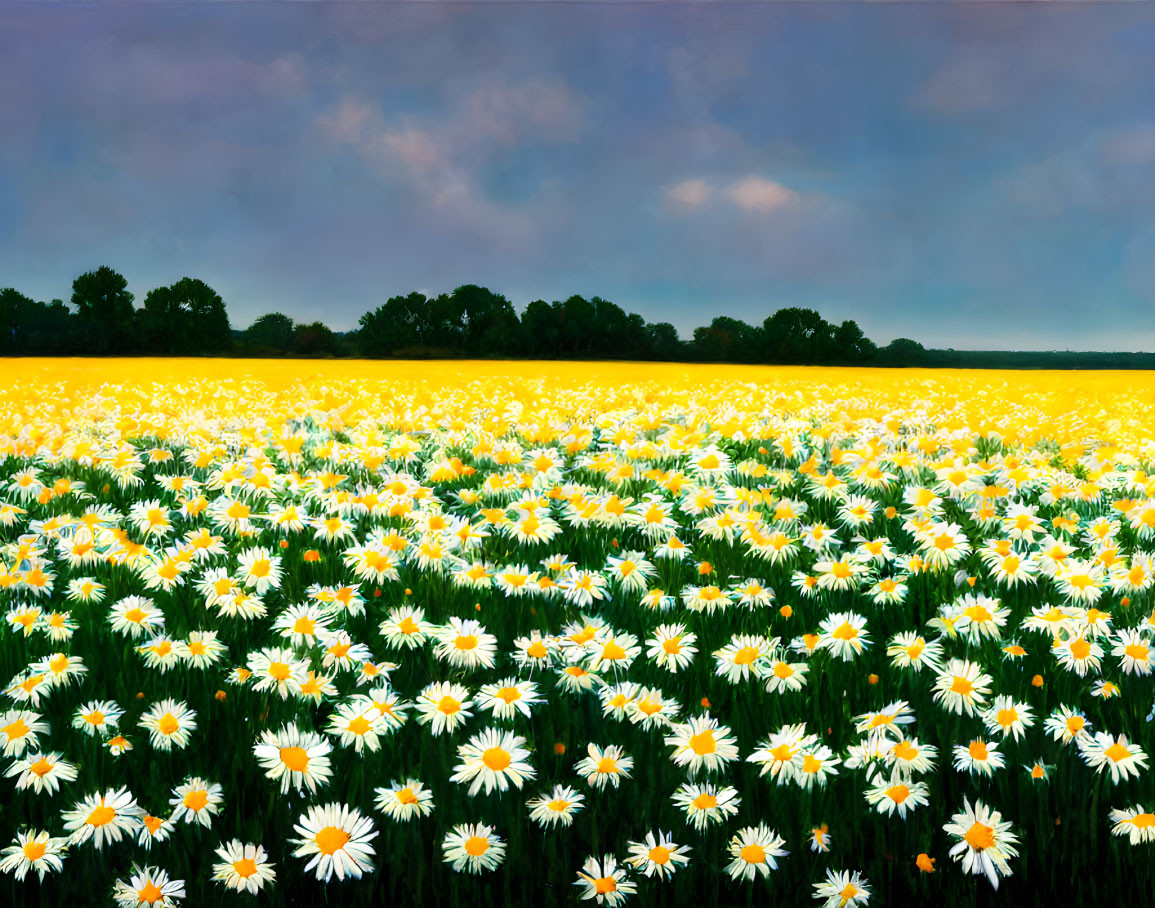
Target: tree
[
  {"x": 664, "y": 342},
  {"x": 851, "y": 345},
  {"x": 902, "y": 351},
  {"x": 186, "y": 318},
  {"x": 402, "y": 322},
  {"x": 14, "y": 311},
  {"x": 104, "y": 310},
  {"x": 795, "y": 335},
  {"x": 726, "y": 340},
  {"x": 272, "y": 330},
  {"x": 486, "y": 321},
  {"x": 314, "y": 339}
]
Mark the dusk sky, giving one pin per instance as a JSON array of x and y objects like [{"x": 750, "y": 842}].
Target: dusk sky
[{"x": 973, "y": 175}]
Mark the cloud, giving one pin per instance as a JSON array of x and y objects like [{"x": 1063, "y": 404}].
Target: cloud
[
  {"x": 689, "y": 193},
  {"x": 964, "y": 84},
  {"x": 759, "y": 195},
  {"x": 509, "y": 113}
]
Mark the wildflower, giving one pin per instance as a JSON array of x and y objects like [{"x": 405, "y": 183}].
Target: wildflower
[
  {"x": 604, "y": 881},
  {"x": 473, "y": 847},
  {"x": 755, "y": 850},
  {"x": 985, "y": 841},
  {"x": 335, "y": 838},
  {"x": 244, "y": 867}
]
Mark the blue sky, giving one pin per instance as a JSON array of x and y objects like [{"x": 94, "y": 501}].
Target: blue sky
[{"x": 968, "y": 175}]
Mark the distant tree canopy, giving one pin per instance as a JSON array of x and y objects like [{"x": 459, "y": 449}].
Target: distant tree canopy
[
  {"x": 104, "y": 311},
  {"x": 189, "y": 317}
]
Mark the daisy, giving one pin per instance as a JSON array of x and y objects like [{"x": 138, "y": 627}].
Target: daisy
[
  {"x": 812, "y": 765},
  {"x": 406, "y": 628},
  {"x": 337, "y": 837},
  {"x": 41, "y": 772},
  {"x": 358, "y": 723},
  {"x": 658, "y": 855},
  {"x": 985, "y": 841},
  {"x": 1105, "y": 751},
  {"x": 135, "y": 615},
  {"x": 962, "y": 687},
  {"x": 672, "y": 647},
  {"x": 556, "y": 808},
  {"x": 443, "y": 706},
  {"x": 701, "y": 743},
  {"x": 755, "y": 850},
  {"x": 473, "y": 847},
  {"x": 844, "y": 635},
  {"x": 776, "y": 754},
  {"x": 897, "y": 793},
  {"x": 978, "y": 757},
  {"x": 33, "y": 850},
  {"x": 103, "y": 818},
  {"x": 302, "y": 625},
  {"x": 909, "y": 756},
  {"x": 97, "y": 717},
  {"x": 602, "y": 767},
  {"x": 152, "y": 829},
  {"x": 196, "y": 801},
  {"x": 403, "y": 801},
  {"x": 493, "y": 758},
  {"x": 650, "y": 708},
  {"x": 1078, "y": 654},
  {"x": 243, "y": 867},
  {"x": 843, "y": 889},
  {"x": 148, "y": 885},
  {"x": 169, "y": 723},
  {"x": 1008, "y": 716},
  {"x": 887, "y": 719},
  {"x": 1066, "y": 725},
  {"x": 507, "y": 698},
  {"x": 465, "y": 644},
  {"x": 605, "y": 881},
  {"x": 743, "y": 656},
  {"x": 820, "y": 839},
  {"x": 1134, "y": 822},
  {"x": 705, "y": 803},
  {"x": 534, "y": 651},
  {"x": 277, "y": 669},
  {"x": 908, "y": 649},
  {"x": 1133, "y": 650}
]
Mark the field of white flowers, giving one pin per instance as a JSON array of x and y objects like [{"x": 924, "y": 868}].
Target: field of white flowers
[{"x": 474, "y": 635}]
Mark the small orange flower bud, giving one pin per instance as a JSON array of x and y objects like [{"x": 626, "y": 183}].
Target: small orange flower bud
[
  {"x": 559, "y": 748},
  {"x": 284, "y": 543},
  {"x": 477, "y": 605},
  {"x": 1037, "y": 681},
  {"x": 891, "y": 513},
  {"x": 873, "y": 679},
  {"x": 1125, "y": 601},
  {"x": 140, "y": 695},
  {"x": 377, "y": 593},
  {"x": 221, "y": 695},
  {"x": 706, "y": 702},
  {"x": 786, "y": 611},
  {"x": 762, "y": 450},
  {"x": 312, "y": 556},
  {"x": 705, "y": 568},
  {"x": 925, "y": 863},
  {"x": 408, "y": 592}
]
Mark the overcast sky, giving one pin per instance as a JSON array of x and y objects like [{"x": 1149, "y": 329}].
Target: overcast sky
[{"x": 968, "y": 175}]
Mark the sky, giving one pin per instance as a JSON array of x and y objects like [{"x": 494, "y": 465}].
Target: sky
[{"x": 973, "y": 175}]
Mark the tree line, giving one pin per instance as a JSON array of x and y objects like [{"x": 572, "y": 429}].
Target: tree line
[{"x": 189, "y": 318}]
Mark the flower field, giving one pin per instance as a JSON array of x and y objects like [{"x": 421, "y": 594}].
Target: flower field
[{"x": 303, "y": 633}]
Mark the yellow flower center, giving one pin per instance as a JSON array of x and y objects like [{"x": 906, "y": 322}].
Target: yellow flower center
[{"x": 331, "y": 839}]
